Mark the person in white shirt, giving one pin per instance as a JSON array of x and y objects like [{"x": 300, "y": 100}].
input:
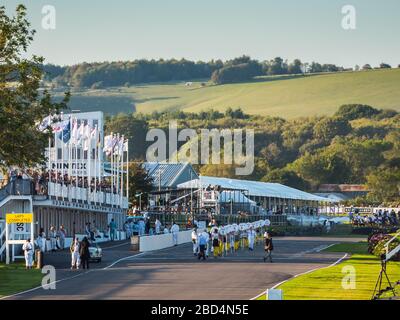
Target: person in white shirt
[
  {"x": 75, "y": 258},
  {"x": 175, "y": 230},
  {"x": 195, "y": 241},
  {"x": 251, "y": 236},
  {"x": 166, "y": 230},
  {"x": 232, "y": 241},
  {"x": 157, "y": 226},
  {"x": 53, "y": 238},
  {"x": 28, "y": 253}
]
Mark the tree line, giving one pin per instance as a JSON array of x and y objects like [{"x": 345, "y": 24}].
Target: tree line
[
  {"x": 359, "y": 144},
  {"x": 126, "y": 73}
]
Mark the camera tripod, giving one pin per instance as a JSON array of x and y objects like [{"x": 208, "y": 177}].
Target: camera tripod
[{"x": 378, "y": 286}]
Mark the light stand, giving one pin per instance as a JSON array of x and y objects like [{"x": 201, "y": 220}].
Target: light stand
[{"x": 378, "y": 286}]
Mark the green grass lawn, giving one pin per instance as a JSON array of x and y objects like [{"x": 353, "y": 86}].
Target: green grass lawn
[
  {"x": 14, "y": 278},
  {"x": 287, "y": 97},
  {"x": 326, "y": 284}
]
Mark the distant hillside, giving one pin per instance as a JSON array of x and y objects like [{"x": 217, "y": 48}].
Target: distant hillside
[{"x": 284, "y": 96}]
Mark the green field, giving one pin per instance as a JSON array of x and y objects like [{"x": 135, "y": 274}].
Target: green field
[
  {"x": 326, "y": 283},
  {"x": 287, "y": 97},
  {"x": 14, "y": 278}
]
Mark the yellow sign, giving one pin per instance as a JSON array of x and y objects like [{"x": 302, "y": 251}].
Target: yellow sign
[{"x": 19, "y": 217}]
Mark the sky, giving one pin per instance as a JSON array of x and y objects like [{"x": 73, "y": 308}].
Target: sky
[{"x": 105, "y": 30}]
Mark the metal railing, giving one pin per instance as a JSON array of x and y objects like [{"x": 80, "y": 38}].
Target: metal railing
[
  {"x": 15, "y": 188},
  {"x": 182, "y": 219}
]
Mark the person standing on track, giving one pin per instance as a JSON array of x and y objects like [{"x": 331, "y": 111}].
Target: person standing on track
[
  {"x": 215, "y": 242},
  {"x": 232, "y": 240},
  {"x": 268, "y": 247},
  {"x": 75, "y": 259},
  {"x": 195, "y": 241},
  {"x": 28, "y": 253},
  {"x": 175, "y": 231},
  {"x": 203, "y": 239},
  {"x": 251, "y": 235},
  {"x": 84, "y": 253}
]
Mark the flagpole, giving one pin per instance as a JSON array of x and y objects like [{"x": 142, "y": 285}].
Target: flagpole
[
  {"x": 112, "y": 168},
  {"x": 76, "y": 160},
  {"x": 70, "y": 158},
  {"x": 127, "y": 171},
  {"x": 95, "y": 165},
  {"x": 89, "y": 161},
  {"x": 62, "y": 157},
  {"x": 121, "y": 191},
  {"x": 118, "y": 169},
  {"x": 56, "y": 165},
  {"x": 49, "y": 164}
]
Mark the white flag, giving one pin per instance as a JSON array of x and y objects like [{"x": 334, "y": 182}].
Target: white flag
[
  {"x": 86, "y": 138},
  {"x": 75, "y": 133}
]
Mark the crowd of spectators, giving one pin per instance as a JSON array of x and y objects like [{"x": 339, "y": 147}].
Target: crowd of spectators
[
  {"x": 381, "y": 217},
  {"x": 39, "y": 180}
]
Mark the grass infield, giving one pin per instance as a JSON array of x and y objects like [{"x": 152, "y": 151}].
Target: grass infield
[
  {"x": 14, "y": 278},
  {"x": 326, "y": 283}
]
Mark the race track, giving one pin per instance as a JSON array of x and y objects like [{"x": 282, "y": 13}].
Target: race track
[{"x": 174, "y": 273}]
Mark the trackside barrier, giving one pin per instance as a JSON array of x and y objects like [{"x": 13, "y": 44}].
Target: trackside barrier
[{"x": 162, "y": 241}]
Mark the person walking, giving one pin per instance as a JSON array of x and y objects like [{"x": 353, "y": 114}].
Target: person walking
[
  {"x": 84, "y": 253},
  {"x": 28, "y": 253},
  {"x": 113, "y": 227},
  {"x": 268, "y": 247},
  {"x": 75, "y": 258},
  {"x": 195, "y": 241},
  {"x": 62, "y": 234},
  {"x": 202, "y": 239},
  {"x": 215, "y": 242},
  {"x": 175, "y": 231}
]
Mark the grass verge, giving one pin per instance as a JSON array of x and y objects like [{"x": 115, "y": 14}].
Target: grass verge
[
  {"x": 14, "y": 278},
  {"x": 326, "y": 283}
]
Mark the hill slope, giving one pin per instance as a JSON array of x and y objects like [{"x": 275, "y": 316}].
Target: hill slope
[{"x": 287, "y": 97}]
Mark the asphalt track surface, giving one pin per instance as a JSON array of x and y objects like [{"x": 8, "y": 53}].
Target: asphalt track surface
[{"x": 174, "y": 273}]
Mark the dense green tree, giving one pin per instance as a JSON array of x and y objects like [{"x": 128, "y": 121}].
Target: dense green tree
[
  {"x": 356, "y": 111},
  {"x": 384, "y": 185},
  {"x": 134, "y": 129},
  {"x": 139, "y": 182},
  {"x": 286, "y": 177},
  {"x": 328, "y": 128},
  {"x": 22, "y": 105}
]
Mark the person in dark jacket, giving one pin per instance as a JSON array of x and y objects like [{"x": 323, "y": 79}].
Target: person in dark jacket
[
  {"x": 268, "y": 246},
  {"x": 84, "y": 253}
]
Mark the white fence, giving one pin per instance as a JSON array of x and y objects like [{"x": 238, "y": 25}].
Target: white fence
[
  {"x": 162, "y": 241},
  {"x": 85, "y": 195}
]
